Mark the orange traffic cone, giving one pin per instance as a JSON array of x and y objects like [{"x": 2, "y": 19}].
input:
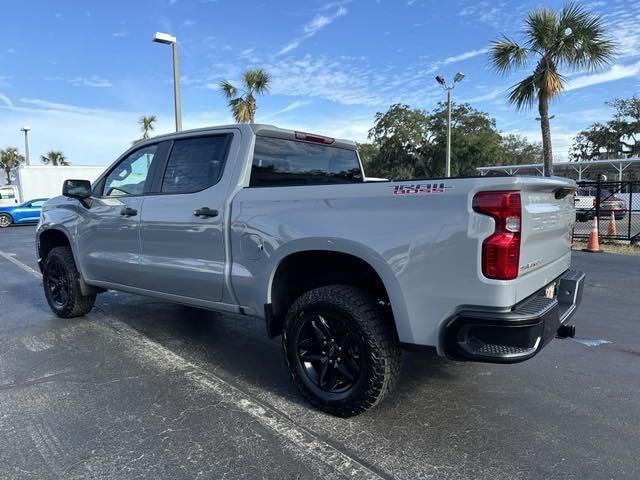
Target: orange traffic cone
[
  {"x": 611, "y": 229},
  {"x": 593, "y": 245}
]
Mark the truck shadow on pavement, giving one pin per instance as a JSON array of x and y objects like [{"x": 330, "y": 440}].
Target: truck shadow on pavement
[{"x": 238, "y": 349}]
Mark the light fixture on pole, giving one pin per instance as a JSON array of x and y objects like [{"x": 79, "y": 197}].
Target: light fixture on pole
[
  {"x": 167, "y": 39},
  {"x": 26, "y": 129},
  {"x": 457, "y": 78}
]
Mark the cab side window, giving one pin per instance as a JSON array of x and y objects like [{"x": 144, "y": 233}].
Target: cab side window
[
  {"x": 131, "y": 174},
  {"x": 195, "y": 164}
]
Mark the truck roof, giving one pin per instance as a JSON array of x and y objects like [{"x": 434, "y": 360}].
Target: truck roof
[{"x": 259, "y": 129}]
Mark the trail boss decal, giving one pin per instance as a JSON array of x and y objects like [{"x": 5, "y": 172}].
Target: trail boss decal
[{"x": 419, "y": 189}]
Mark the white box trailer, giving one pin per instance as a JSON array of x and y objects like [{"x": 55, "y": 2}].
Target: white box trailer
[{"x": 45, "y": 181}]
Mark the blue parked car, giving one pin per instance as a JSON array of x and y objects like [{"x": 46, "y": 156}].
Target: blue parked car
[{"x": 27, "y": 212}]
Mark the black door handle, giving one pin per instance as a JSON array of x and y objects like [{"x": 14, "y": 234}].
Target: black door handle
[
  {"x": 128, "y": 212},
  {"x": 206, "y": 212}
]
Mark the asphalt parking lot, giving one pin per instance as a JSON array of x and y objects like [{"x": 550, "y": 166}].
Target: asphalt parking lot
[{"x": 145, "y": 389}]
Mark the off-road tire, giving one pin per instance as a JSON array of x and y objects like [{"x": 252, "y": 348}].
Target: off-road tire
[
  {"x": 380, "y": 350},
  {"x": 76, "y": 303}
]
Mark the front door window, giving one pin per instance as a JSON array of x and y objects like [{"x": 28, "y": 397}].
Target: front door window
[{"x": 130, "y": 175}]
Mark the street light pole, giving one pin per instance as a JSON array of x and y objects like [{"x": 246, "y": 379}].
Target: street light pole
[
  {"x": 448, "y": 164},
  {"x": 458, "y": 77},
  {"x": 176, "y": 88},
  {"x": 167, "y": 39},
  {"x": 26, "y": 129}
]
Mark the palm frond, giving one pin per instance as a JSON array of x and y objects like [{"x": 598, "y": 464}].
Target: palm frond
[
  {"x": 256, "y": 80},
  {"x": 523, "y": 94},
  {"x": 241, "y": 110},
  {"x": 228, "y": 89},
  {"x": 55, "y": 158},
  {"x": 506, "y": 55},
  {"x": 541, "y": 28},
  {"x": 582, "y": 42},
  {"x": 550, "y": 82}
]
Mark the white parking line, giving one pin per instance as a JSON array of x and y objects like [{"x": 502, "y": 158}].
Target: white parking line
[
  {"x": 11, "y": 257},
  {"x": 302, "y": 442}
]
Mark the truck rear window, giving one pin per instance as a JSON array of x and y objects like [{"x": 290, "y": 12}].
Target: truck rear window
[{"x": 281, "y": 162}]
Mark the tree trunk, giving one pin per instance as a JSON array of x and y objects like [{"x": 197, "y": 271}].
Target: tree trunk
[
  {"x": 547, "y": 154},
  {"x": 8, "y": 174}
]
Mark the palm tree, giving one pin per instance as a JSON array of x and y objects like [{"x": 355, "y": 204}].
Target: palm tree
[
  {"x": 9, "y": 160},
  {"x": 55, "y": 158},
  {"x": 146, "y": 125},
  {"x": 242, "y": 102},
  {"x": 572, "y": 38}
]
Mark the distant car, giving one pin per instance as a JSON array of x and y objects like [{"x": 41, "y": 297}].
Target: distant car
[
  {"x": 27, "y": 212},
  {"x": 585, "y": 203}
]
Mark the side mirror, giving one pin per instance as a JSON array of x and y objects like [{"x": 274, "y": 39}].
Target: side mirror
[{"x": 80, "y": 189}]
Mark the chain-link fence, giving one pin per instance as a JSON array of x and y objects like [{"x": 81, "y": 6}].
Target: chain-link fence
[{"x": 615, "y": 204}]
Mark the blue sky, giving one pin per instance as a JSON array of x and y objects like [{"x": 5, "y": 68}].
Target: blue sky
[{"x": 81, "y": 73}]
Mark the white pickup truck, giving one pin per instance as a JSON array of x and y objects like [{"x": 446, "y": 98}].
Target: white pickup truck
[{"x": 283, "y": 226}]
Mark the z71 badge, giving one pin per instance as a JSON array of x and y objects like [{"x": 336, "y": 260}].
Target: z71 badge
[{"x": 420, "y": 188}]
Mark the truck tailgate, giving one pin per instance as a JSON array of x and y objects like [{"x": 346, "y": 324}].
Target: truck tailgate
[{"x": 548, "y": 217}]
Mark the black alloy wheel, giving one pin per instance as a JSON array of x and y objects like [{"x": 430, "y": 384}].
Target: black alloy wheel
[
  {"x": 328, "y": 352},
  {"x": 58, "y": 283}
]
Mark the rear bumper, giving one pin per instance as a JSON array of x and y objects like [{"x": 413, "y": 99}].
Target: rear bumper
[{"x": 518, "y": 334}]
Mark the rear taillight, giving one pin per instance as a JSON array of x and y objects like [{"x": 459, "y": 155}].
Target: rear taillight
[{"x": 501, "y": 251}]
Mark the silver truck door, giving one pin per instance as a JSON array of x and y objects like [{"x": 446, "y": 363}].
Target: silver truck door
[
  {"x": 182, "y": 225},
  {"x": 109, "y": 230}
]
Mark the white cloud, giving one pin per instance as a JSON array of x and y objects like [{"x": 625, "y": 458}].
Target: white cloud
[
  {"x": 314, "y": 26},
  {"x": 293, "y": 105},
  {"x": 622, "y": 22},
  {"x": 332, "y": 5},
  {"x": 288, "y": 47},
  {"x": 485, "y": 97},
  {"x": 465, "y": 55},
  {"x": 93, "y": 81},
  {"x": 6, "y": 100},
  {"x": 90, "y": 82},
  {"x": 616, "y": 72},
  {"x": 457, "y": 58},
  {"x": 120, "y": 34},
  {"x": 498, "y": 14},
  {"x": 318, "y": 23}
]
